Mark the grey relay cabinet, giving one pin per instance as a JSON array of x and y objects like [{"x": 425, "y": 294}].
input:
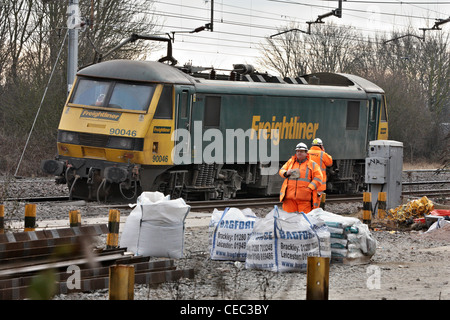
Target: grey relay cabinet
[{"x": 384, "y": 165}]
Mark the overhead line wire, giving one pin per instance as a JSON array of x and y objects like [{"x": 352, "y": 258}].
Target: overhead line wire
[{"x": 346, "y": 9}]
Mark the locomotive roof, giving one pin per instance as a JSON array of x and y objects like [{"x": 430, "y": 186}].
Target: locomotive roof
[
  {"x": 367, "y": 85},
  {"x": 152, "y": 71},
  {"x": 149, "y": 71},
  {"x": 280, "y": 89},
  {"x": 317, "y": 84}
]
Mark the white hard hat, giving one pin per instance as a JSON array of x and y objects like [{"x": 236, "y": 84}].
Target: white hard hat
[
  {"x": 317, "y": 142},
  {"x": 301, "y": 146}
]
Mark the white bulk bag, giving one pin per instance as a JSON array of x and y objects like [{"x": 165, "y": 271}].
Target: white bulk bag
[
  {"x": 155, "y": 227},
  {"x": 229, "y": 231},
  {"x": 283, "y": 241}
]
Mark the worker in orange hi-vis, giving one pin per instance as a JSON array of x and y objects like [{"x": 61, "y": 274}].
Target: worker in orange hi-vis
[
  {"x": 303, "y": 177},
  {"x": 318, "y": 155}
]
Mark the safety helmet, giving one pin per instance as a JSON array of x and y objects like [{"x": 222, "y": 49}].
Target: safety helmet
[
  {"x": 317, "y": 142},
  {"x": 301, "y": 146}
]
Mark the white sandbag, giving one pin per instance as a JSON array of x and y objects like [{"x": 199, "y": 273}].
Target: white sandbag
[
  {"x": 439, "y": 223},
  {"x": 229, "y": 231},
  {"x": 360, "y": 241},
  {"x": 329, "y": 218},
  {"x": 283, "y": 241},
  {"x": 155, "y": 227}
]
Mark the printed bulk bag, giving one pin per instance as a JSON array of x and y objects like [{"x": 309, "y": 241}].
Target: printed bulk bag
[
  {"x": 155, "y": 227},
  {"x": 282, "y": 241},
  {"x": 229, "y": 231}
]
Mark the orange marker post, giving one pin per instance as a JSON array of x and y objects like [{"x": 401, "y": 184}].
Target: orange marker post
[
  {"x": 367, "y": 208},
  {"x": 30, "y": 217},
  {"x": 317, "y": 278},
  {"x": 121, "y": 282},
  {"x": 323, "y": 198},
  {"x": 75, "y": 218},
  {"x": 381, "y": 212},
  {"x": 112, "y": 239}
]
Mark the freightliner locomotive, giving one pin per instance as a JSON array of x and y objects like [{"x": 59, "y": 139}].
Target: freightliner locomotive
[{"x": 133, "y": 126}]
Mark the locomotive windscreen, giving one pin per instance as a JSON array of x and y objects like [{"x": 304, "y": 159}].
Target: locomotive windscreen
[{"x": 111, "y": 94}]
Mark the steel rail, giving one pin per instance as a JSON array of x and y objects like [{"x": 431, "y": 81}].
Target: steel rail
[{"x": 39, "y": 251}]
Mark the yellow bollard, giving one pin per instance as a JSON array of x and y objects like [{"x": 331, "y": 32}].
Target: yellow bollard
[
  {"x": 381, "y": 212},
  {"x": 367, "y": 207},
  {"x": 2, "y": 218},
  {"x": 30, "y": 217},
  {"x": 317, "y": 278},
  {"x": 112, "y": 239},
  {"x": 75, "y": 218},
  {"x": 121, "y": 282},
  {"x": 323, "y": 197}
]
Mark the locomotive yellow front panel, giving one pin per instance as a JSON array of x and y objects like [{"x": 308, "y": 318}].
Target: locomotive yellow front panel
[
  {"x": 117, "y": 136},
  {"x": 104, "y": 135}
]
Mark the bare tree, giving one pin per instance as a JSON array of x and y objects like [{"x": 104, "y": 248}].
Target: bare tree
[
  {"x": 433, "y": 70},
  {"x": 285, "y": 53},
  {"x": 31, "y": 36},
  {"x": 327, "y": 48},
  {"x": 110, "y": 22},
  {"x": 331, "y": 48}
]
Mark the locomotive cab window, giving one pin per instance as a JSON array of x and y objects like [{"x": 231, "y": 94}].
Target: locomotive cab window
[
  {"x": 91, "y": 92},
  {"x": 164, "y": 107},
  {"x": 112, "y": 94},
  {"x": 131, "y": 96},
  {"x": 184, "y": 104},
  {"x": 383, "y": 115},
  {"x": 352, "y": 115},
  {"x": 373, "y": 109},
  {"x": 212, "y": 111}
]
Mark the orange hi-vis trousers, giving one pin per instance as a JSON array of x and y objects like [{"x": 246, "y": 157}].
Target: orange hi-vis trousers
[{"x": 290, "y": 205}]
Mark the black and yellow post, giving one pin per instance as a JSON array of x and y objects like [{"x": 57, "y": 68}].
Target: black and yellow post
[
  {"x": 75, "y": 218},
  {"x": 112, "y": 239},
  {"x": 121, "y": 282},
  {"x": 381, "y": 212},
  {"x": 2, "y": 219},
  {"x": 323, "y": 198},
  {"x": 317, "y": 278},
  {"x": 367, "y": 208},
  {"x": 30, "y": 217}
]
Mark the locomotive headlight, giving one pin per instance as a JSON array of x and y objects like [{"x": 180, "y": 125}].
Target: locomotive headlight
[
  {"x": 120, "y": 143},
  {"x": 68, "y": 137}
]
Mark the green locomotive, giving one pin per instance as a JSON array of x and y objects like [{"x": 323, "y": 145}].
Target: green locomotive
[{"x": 132, "y": 126}]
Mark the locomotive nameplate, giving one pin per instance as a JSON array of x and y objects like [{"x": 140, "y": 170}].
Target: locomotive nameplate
[
  {"x": 100, "y": 115},
  {"x": 160, "y": 129}
]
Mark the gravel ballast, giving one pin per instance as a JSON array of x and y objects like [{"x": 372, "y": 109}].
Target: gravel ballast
[{"x": 407, "y": 265}]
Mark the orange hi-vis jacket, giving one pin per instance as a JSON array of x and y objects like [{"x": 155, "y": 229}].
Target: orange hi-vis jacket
[
  {"x": 303, "y": 188},
  {"x": 324, "y": 160}
]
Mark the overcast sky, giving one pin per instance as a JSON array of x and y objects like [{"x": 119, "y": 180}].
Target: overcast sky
[{"x": 241, "y": 25}]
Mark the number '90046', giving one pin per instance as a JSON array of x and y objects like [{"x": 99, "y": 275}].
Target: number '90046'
[
  {"x": 123, "y": 132},
  {"x": 160, "y": 158}
]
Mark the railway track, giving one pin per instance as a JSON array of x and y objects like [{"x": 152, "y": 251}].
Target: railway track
[
  {"x": 250, "y": 202},
  {"x": 271, "y": 201},
  {"x": 259, "y": 202},
  {"x": 58, "y": 255},
  {"x": 412, "y": 186}
]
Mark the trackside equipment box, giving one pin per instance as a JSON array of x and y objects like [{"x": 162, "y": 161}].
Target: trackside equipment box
[{"x": 384, "y": 165}]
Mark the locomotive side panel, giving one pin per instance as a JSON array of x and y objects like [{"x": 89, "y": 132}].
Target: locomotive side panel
[{"x": 341, "y": 123}]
